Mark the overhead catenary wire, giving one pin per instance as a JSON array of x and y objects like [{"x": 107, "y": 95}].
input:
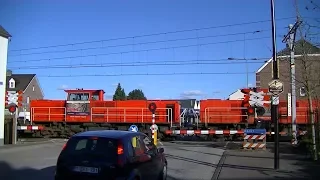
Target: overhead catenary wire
[
  {"x": 143, "y": 43},
  {"x": 141, "y": 64},
  {"x": 146, "y": 35},
  {"x": 145, "y": 74},
  {"x": 135, "y": 51},
  {"x": 150, "y": 74}
]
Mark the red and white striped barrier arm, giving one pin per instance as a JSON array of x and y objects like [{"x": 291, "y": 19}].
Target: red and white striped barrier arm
[
  {"x": 203, "y": 132},
  {"x": 29, "y": 127}
]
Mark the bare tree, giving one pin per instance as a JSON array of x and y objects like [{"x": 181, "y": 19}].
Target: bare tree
[{"x": 308, "y": 65}]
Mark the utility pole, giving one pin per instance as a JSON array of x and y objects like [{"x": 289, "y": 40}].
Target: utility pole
[
  {"x": 244, "y": 57},
  {"x": 290, "y": 40},
  {"x": 275, "y": 97}
]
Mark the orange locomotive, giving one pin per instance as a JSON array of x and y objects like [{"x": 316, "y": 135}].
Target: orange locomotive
[
  {"x": 229, "y": 118},
  {"x": 87, "y": 110}
]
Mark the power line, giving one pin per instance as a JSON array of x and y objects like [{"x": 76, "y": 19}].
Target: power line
[
  {"x": 141, "y": 64},
  {"x": 146, "y": 35},
  {"x": 148, "y": 74},
  {"x": 143, "y": 43},
  {"x": 133, "y": 51}
]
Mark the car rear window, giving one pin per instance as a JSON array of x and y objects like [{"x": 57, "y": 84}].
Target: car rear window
[{"x": 91, "y": 146}]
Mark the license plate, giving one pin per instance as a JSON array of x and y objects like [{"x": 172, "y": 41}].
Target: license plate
[{"x": 86, "y": 169}]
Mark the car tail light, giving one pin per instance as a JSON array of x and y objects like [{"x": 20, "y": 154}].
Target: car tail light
[
  {"x": 94, "y": 138},
  {"x": 120, "y": 148},
  {"x": 64, "y": 146},
  {"x": 120, "y": 153}
]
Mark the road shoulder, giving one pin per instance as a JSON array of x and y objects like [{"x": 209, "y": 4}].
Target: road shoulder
[{"x": 240, "y": 164}]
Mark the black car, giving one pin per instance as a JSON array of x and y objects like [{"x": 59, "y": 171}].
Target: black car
[{"x": 111, "y": 154}]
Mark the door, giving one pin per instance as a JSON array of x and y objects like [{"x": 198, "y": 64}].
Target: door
[
  {"x": 142, "y": 162},
  {"x": 156, "y": 159},
  {"x": 170, "y": 113}
]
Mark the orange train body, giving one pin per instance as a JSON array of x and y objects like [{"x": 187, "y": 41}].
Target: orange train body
[
  {"x": 88, "y": 107},
  {"x": 130, "y": 111},
  {"x": 212, "y": 111}
]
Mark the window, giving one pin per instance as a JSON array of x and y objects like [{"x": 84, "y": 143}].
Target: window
[
  {"x": 130, "y": 149},
  {"x": 148, "y": 144},
  {"x": 12, "y": 83},
  {"x": 137, "y": 146},
  {"x": 93, "y": 148},
  {"x": 302, "y": 91},
  {"x": 33, "y": 88},
  {"x": 95, "y": 97},
  {"x": 78, "y": 97},
  {"x": 28, "y": 99}
]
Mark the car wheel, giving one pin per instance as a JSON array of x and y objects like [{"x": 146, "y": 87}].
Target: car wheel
[{"x": 163, "y": 175}]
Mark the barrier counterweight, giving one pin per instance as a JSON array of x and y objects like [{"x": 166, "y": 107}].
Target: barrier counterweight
[{"x": 256, "y": 140}]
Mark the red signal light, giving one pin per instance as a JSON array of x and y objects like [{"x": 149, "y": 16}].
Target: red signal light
[
  {"x": 251, "y": 110},
  {"x": 152, "y": 107},
  {"x": 12, "y": 108}
]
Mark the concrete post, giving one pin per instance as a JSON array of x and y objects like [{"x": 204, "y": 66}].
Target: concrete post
[{"x": 4, "y": 41}]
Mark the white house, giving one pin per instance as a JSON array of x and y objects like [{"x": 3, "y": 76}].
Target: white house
[
  {"x": 237, "y": 95},
  {"x": 4, "y": 42}
]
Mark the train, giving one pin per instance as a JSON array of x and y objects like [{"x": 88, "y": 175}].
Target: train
[{"x": 85, "y": 110}]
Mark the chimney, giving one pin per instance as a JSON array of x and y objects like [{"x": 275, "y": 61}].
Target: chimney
[{"x": 9, "y": 72}]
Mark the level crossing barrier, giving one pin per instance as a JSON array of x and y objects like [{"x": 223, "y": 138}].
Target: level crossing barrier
[{"x": 255, "y": 139}]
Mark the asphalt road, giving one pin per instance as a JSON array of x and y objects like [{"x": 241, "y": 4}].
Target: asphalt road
[
  {"x": 186, "y": 160},
  {"x": 36, "y": 160},
  {"x": 33, "y": 160},
  {"x": 192, "y": 161}
]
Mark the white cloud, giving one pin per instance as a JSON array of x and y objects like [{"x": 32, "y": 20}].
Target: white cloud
[
  {"x": 191, "y": 93},
  {"x": 63, "y": 87}
]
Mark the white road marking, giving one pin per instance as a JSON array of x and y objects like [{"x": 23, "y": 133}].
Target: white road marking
[
  {"x": 160, "y": 142},
  {"x": 226, "y": 144}
]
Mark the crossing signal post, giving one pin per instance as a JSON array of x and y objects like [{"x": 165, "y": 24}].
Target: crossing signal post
[
  {"x": 13, "y": 101},
  {"x": 154, "y": 128}
]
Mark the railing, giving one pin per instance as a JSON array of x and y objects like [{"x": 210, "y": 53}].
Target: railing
[
  {"x": 103, "y": 114},
  {"x": 182, "y": 116},
  {"x": 128, "y": 113},
  {"x": 48, "y": 113},
  {"x": 195, "y": 117},
  {"x": 225, "y": 113},
  {"x": 302, "y": 115}
]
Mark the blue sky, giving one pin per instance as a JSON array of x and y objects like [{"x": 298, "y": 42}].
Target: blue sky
[{"x": 38, "y": 23}]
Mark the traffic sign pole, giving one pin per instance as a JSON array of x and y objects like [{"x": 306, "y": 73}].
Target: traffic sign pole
[{"x": 275, "y": 73}]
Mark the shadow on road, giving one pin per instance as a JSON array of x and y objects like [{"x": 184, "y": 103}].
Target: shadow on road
[
  {"x": 7, "y": 172},
  {"x": 293, "y": 164}
]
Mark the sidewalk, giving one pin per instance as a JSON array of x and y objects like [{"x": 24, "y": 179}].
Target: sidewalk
[{"x": 240, "y": 164}]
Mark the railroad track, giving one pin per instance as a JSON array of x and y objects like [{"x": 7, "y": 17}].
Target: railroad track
[{"x": 183, "y": 139}]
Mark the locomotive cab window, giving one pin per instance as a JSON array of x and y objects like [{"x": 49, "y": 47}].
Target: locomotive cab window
[
  {"x": 78, "y": 97},
  {"x": 95, "y": 96}
]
